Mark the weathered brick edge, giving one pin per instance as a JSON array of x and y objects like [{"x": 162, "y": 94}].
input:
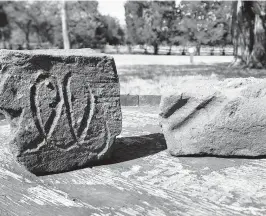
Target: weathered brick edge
[{"x": 140, "y": 100}]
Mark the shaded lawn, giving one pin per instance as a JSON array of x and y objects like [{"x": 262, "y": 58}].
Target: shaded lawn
[{"x": 156, "y": 79}]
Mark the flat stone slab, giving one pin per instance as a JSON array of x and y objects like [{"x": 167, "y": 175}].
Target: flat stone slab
[
  {"x": 63, "y": 107},
  {"x": 226, "y": 118},
  {"x": 151, "y": 183}
]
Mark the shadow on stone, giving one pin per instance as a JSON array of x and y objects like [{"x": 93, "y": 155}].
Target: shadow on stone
[{"x": 130, "y": 148}]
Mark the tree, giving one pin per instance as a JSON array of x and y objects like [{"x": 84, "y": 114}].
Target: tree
[
  {"x": 204, "y": 22},
  {"x": 249, "y": 33},
  {"x": 32, "y": 22},
  {"x": 17, "y": 13},
  {"x": 111, "y": 30},
  {"x": 3, "y": 17},
  {"x": 45, "y": 17},
  {"x": 171, "y": 32},
  {"x": 84, "y": 19},
  {"x": 148, "y": 22},
  {"x": 4, "y": 27}
]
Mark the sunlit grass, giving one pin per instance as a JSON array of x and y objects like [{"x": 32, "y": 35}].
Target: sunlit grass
[{"x": 158, "y": 79}]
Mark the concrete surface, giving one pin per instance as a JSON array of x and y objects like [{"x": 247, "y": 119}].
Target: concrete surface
[{"x": 140, "y": 179}]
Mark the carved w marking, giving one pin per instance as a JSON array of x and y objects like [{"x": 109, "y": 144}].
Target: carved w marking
[{"x": 63, "y": 97}]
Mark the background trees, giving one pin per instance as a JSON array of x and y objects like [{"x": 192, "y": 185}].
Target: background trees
[
  {"x": 114, "y": 34},
  {"x": 204, "y": 23},
  {"x": 31, "y": 22},
  {"x": 84, "y": 19},
  {"x": 188, "y": 23},
  {"x": 36, "y": 24},
  {"x": 150, "y": 22}
]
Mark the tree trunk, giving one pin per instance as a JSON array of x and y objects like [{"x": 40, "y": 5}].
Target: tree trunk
[
  {"x": 39, "y": 42},
  {"x": 170, "y": 50},
  {"x": 234, "y": 28},
  {"x": 129, "y": 49},
  {"x": 117, "y": 48},
  {"x": 198, "y": 46},
  {"x": 1, "y": 38},
  {"x": 27, "y": 38},
  {"x": 27, "y": 34},
  {"x": 156, "y": 48},
  {"x": 64, "y": 25},
  {"x": 249, "y": 33},
  {"x": 3, "y": 25}
]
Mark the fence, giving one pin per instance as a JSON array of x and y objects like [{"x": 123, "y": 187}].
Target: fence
[
  {"x": 166, "y": 50},
  {"x": 138, "y": 49}
]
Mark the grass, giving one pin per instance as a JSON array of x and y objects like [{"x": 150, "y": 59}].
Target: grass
[{"x": 138, "y": 77}]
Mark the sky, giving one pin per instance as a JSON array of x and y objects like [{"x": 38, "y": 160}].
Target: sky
[{"x": 113, "y": 8}]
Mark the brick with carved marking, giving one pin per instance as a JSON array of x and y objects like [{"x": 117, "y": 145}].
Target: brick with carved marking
[
  {"x": 63, "y": 107},
  {"x": 220, "y": 118}
]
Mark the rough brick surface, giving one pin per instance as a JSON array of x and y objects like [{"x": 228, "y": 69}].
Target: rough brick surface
[
  {"x": 223, "y": 118},
  {"x": 63, "y": 107}
]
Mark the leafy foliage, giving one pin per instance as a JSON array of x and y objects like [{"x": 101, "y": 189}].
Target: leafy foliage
[
  {"x": 205, "y": 22},
  {"x": 39, "y": 22},
  {"x": 113, "y": 32},
  {"x": 32, "y": 21},
  {"x": 83, "y": 21},
  {"x": 157, "y": 22},
  {"x": 153, "y": 23},
  {"x": 149, "y": 22}
]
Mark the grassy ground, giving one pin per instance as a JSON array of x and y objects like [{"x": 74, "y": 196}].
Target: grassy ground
[{"x": 159, "y": 74}]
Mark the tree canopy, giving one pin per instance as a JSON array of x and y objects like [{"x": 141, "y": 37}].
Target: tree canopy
[
  {"x": 159, "y": 22},
  {"x": 32, "y": 24},
  {"x": 149, "y": 22},
  {"x": 205, "y": 22}
]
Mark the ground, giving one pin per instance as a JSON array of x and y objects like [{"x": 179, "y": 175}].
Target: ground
[
  {"x": 141, "y": 178},
  {"x": 147, "y": 74}
]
